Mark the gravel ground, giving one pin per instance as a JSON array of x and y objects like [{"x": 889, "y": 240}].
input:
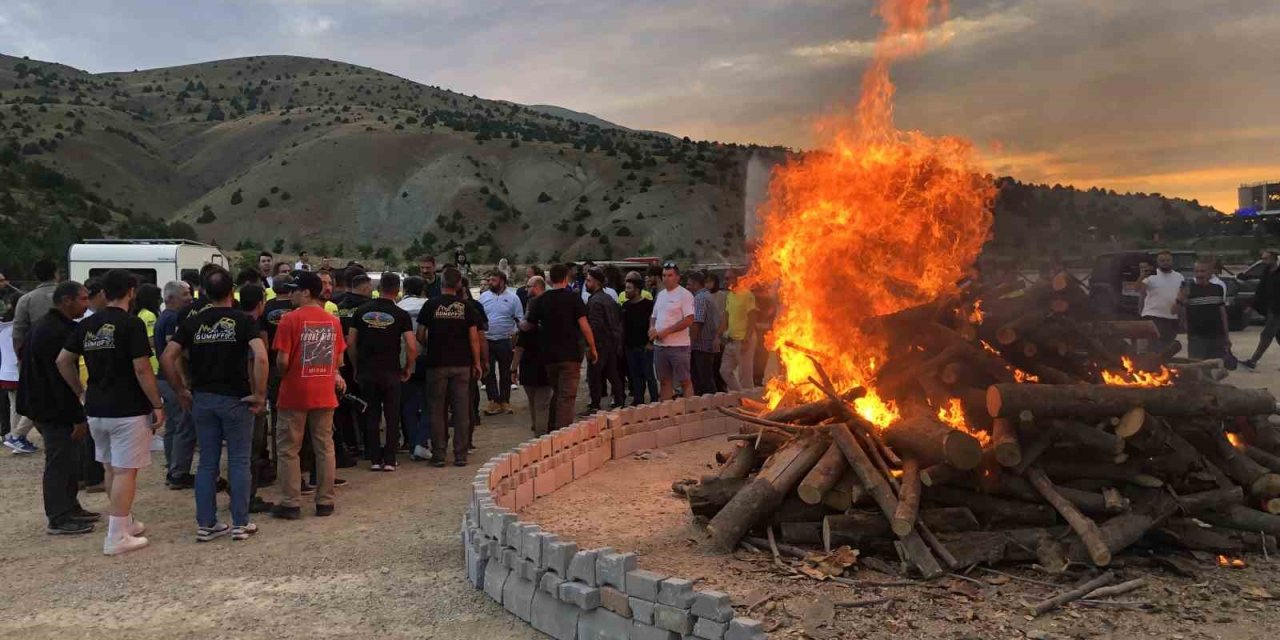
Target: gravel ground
[{"x": 387, "y": 563}]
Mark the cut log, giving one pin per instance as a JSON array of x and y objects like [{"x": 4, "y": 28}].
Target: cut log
[
  {"x": 1089, "y": 502},
  {"x": 846, "y": 494},
  {"x": 1195, "y": 503},
  {"x": 996, "y": 510},
  {"x": 1242, "y": 518},
  {"x": 708, "y": 497},
  {"x": 1268, "y": 460},
  {"x": 1129, "y": 472},
  {"x": 1004, "y": 441},
  {"x": 892, "y": 380},
  {"x": 1008, "y": 545},
  {"x": 931, "y": 442},
  {"x": 1084, "y": 527},
  {"x": 875, "y": 484},
  {"x": 939, "y": 474},
  {"x": 793, "y": 509},
  {"x": 1090, "y": 438},
  {"x": 859, "y": 528},
  {"x": 904, "y": 518},
  {"x": 812, "y": 412},
  {"x": 1122, "y": 329},
  {"x": 958, "y": 372},
  {"x": 740, "y": 462},
  {"x": 763, "y": 493},
  {"x": 823, "y": 476},
  {"x": 1131, "y": 422},
  {"x": 1084, "y": 401},
  {"x": 1011, "y": 331},
  {"x": 801, "y": 532}
]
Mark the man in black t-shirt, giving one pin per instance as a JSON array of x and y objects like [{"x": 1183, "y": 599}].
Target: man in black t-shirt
[
  {"x": 1205, "y": 310},
  {"x": 358, "y": 291},
  {"x": 122, "y": 401},
  {"x": 449, "y": 327},
  {"x": 561, "y": 319},
  {"x": 378, "y": 330},
  {"x": 223, "y": 397}
]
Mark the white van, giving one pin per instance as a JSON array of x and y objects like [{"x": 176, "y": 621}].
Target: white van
[{"x": 154, "y": 261}]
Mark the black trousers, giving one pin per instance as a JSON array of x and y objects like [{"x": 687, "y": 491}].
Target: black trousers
[
  {"x": 702, "y": 369},
  {"x": 500, "y": 354},
  {"x": 62, "y": 471},
  {"x": 721, "y": 385},
  {"x": 381, "y": 389},
  {"x": 91, "y": 471},
  {"x": 605, "y": 370}
]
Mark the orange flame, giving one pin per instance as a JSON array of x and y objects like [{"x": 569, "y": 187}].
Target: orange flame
[
  {"x": 976, "y": 316},
  {"x": 1235, "y": 440},
  {"x": 953, "y": 416},
  {"x": 1019, "y": 376},
  {"x": 876, "y": 203},
  {"x": 1230, "y": 563},
  {"x": 1134, "y": 377}
]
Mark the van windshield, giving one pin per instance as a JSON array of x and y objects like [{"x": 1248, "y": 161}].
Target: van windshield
[{"x": 144, "y": 275}]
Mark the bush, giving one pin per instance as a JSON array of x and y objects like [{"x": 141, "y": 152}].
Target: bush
[
  {"x": 237, "y": 197},
  {"x": 206, "y": 215},
  {"x": 543, "y": 197},
  {"x": 580, "y": 231},
  {"x": 286, "y": 196},
  {"x": 275, "y": 189},
  {"x": 622, "y": 232},
  {"x": 278, "y": 246},
  {"x": 263, "y": 202}
]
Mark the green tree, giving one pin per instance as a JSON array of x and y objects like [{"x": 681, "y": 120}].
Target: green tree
[
  {"x": 278, "y": 246},
  {"x": 263, "y": 202},
  {"x": 206, "y": 215},
  {"x": 237, "y": 197},
  {"x": 364, "y": 251}
]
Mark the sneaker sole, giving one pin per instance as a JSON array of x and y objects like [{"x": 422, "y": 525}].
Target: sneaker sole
[
  {"x": 212, "y": 536},
  {"x": 118, "y": 552},
  {"x": 64, "y": 532}
]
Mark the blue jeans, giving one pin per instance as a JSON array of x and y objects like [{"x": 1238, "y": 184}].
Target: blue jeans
[
  {"x": 640, "y": 371},
  {"x": 220, "y": 418},
  {"x": 179, "y": 434},
  {"x": 415, "y": 416}
]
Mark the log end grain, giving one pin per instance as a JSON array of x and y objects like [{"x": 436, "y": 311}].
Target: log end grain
[{"x": 963, "y": 451}]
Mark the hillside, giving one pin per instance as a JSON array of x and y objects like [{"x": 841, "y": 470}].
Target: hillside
[
  {"x": 326, "y": 155},
  {"x": 290, "y": 152}
]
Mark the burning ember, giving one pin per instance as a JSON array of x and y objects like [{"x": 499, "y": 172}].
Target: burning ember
[
  {"x": 976, "y": 315},
  {"x": 1134, "y": 377},
  {"x": 1230, "y": 563},
  {"x": 1235, "y": 440},
  {"x": 890, "y": 217}
]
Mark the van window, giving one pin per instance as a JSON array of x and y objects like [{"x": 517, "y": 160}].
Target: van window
[{"x": 144, "y": 275}]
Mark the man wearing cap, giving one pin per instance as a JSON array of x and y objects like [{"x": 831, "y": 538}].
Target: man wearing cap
[{"x": 309, "y": 347}]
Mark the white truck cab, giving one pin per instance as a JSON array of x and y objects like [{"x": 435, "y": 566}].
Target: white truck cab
[{"x": 155, "y": 261}]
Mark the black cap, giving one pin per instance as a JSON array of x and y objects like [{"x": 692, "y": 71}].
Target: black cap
[{"x": 307, "y": 281}]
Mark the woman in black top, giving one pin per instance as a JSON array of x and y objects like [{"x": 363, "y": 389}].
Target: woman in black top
[{"x": 635, "y": 339}]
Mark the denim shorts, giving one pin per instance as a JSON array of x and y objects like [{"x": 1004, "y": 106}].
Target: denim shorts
[{"x": 672, "y": 363}]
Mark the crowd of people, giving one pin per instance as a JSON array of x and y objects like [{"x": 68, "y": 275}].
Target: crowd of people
[{"x": 295, "y": 371}]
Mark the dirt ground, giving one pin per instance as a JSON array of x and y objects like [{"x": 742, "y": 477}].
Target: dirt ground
[
  {"x": 629, "y": 505},
  {"x": 389, "y": 563}
]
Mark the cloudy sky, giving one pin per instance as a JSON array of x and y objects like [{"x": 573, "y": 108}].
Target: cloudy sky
[{"x": 1180, "y": 96}]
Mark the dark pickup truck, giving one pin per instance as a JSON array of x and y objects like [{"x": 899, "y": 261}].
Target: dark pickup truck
[{"x": 1113, "y": 284}]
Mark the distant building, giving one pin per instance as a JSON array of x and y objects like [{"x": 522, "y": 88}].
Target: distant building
[{"x": 1260, "y": 198}]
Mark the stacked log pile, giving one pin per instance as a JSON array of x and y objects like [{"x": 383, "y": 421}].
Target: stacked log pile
[{"x": 1078, "y": 443}]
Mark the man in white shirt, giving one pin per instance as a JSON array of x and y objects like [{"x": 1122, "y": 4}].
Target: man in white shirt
[
  {"x": 669, "y": 330},
  {"x": 1160, "y": 299},
  {"x": 505, "y": 312}
]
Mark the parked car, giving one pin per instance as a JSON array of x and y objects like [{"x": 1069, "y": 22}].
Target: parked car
[
  {"x": 1113, "y": 284},
  {"x": 1249, "y": 279}
]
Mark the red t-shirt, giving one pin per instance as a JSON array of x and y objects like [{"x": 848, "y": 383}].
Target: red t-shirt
[{"x": 312, "y": 339}]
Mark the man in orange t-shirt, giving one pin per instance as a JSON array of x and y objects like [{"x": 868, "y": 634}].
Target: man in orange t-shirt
[{"x": 309, "y": 348}]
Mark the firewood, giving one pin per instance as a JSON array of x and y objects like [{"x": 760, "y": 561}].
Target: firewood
[
  {"x": 708, "y": 497},
  {"x": 1089, "y": 502},
  {"x": 1084, "y": 527},
  {"x": 892, "y": 381},
  {"x": 740, "y": 462},
  {"x": 858, "y": 528},
  {"x": 1040, "y": 442},
  {"x": 1006, "y": 545},
  {"x": 957, "y": 372},
  {"x": 878, "y": 487},
  {"x": 847, "y": 493},
  {"x": 1268, "y": 460},
  {"x": 823, "y": 476},
  {"x": 988, "y": 363},
  {"x": 995, "y": 510},
  {"x": 1004, "y": 441},
  {"x": 1089, "y": 437},
  {"x": 800, "y": 532},
  {"x": 931, "y": 442},
  {"x": 777, "y": 478},
  {"x": 939, "y": 474},
  {"x": 1242, "y": 518},
  {"x": 904, "y": 518},
  {"x": 811, "y": 412},
  {"x": 1195, "y": 503},
  {"x": 1131, "y": 422},
  {"x": 793, "y": 509},
  {"x": 1258, "y": 480},
  {"x": 1129, "y": 472},
  {"x": 1011, "y": 331},
  {"x": 1103, "y": 401}
]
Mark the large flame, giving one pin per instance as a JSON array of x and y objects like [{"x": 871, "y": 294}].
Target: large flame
[
  {"x": 878, "y": 221},
  {"x": 953, "y": 415},
  {"x": 1135, "y": 377}
]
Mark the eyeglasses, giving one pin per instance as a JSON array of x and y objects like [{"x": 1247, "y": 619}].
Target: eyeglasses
[{"x": 669, "y": 265}]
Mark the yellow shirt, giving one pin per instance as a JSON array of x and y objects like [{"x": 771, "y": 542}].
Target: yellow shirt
[
  {"x": 331, "y": 307},
  {"x": 644, "y": 295},
  {"x": 149, "y": 319},
  {"x": 737, "y": 307}
]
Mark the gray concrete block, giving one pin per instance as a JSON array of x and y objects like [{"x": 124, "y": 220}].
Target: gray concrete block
[
  {"x": 673, "y": 619},
  {"x": 496, "y": 525},
  {"x": 713, "y": 605},
  {"x": 640, "y": 631},
  {"x": 644, "y": 584},
  {"x": 494, "y": 550},
  {"x": 511, "y": 558},
  {"x": 531, "y": 544},
  {"x": 529, "y": 570},
  {"x": 615, "y": 601},
  {"x": 676, "y": 592},
  {"x": 495, "y": 578},
  {"x": 544, "y": 541},
  {"x": 476, "y": 565},
  {"x": 580, "y": 595},
  {"x": 710, "y": 629},
  {"x": 745, "y": 629},
  {"x": 612, "y": 568},
  {"x": 555, "y": 618},
  {"x": 641, "y": 610},
  {"x": 583, "y": 567},
  {"x": 550, "y": 583},
  {"x": 602, "y": 624},
  {"x": 560, "y": 556},
  {"x": 508, "y": 524},
  {"x": 517, "y": 596}
]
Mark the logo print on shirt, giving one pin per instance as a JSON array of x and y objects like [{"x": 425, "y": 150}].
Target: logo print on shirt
[
  {"x": 317, "y": 349},
  {"x": 276, "y": 316},
  {"x": 378, "y": 319},
  {"x": 224, "y": 330},
  {"x": 451, "y": 311},
  {"x": 104, "y": 338}
]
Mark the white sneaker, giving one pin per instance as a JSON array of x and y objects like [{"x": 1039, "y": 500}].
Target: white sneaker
[
  {"x": 421, "y": 452},
  {"x": 157, "y": 443},
  {"x": 137, "y": 528},
  {"x": 124, "y": 544}
]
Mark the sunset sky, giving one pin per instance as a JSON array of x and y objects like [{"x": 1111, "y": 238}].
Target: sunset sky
[{"x": 1175, "y": 97}]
